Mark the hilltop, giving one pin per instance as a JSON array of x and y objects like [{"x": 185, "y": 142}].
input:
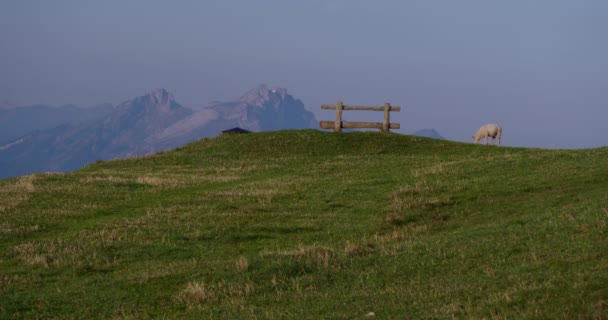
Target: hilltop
[{"x": 309, "y": 224}]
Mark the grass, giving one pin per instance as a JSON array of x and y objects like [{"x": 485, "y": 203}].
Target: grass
[{"x": 307, "y": 225}]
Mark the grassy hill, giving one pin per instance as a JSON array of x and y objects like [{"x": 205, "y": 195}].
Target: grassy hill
[{"x": 311, "y": 225}]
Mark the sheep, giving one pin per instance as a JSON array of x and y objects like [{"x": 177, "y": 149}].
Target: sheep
[{"x": 488, "y": 130}]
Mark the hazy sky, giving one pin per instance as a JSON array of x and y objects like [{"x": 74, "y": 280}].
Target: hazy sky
[{"x": 537, "y": 67}]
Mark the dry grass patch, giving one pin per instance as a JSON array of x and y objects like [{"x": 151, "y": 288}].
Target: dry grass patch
[
  {"x": 261, "y": 194},
  {"x": 31, "y": 254},
  {"x": 445, "y": 168},
  {"x": 197, "y": 293},
  {"x": 26, "y": 183},
  {"x": 6, "y": 228},
  {"x": 214, "y": 179},
  {"x": 242, "y": 264},
  {"x": 104, "y": 179},
  {"x": 16, "y": 192},
  {"x": 60, "y": 253},
  {"x": 409, "y": 197},
  {"x": 78, "y": 251},
  {"x": 150, "y": 180},
  {"x": 145, "y": 272},
  {"x": 436, "y": 168},
  {"x": 160, "y": 182},
  {"x": 412, "y": 202},
  {"x": 319, "y": 256},
  {"x": 385, "y": 244},
  {"x": 221, "y": 173}
]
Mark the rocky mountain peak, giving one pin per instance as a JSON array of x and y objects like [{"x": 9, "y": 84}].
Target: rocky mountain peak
[
  {"x": 159, "y": 100},
  {"x": 263, "y": 94},
  {"x": 136, "y": 119},
  {"x": 160, "y": 97}
]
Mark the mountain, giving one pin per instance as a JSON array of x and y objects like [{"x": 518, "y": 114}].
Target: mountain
[
  {"x": 18, "y": 121},
  {"x": 147, "y": 124},
  {"x": 428, "y": 133},
  {"x": 261, "y": 109},
  {"x": 119, "y": 134},
  {"x": 125, "y": 131},
  {"x": 269, "y": 109}
]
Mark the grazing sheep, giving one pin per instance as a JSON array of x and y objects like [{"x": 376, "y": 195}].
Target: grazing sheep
[{"x": 488, "y": 130}]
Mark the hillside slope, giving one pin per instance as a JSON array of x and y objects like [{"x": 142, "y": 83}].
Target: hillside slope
[{"x": 308, "y": 224}]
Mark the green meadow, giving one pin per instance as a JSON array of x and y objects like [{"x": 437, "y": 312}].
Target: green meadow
[{"x": 311, "y": 225}]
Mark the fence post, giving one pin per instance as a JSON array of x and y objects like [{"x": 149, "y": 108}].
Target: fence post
[
  {"x": 387, "y": 108},
  {"x": 338, "y": 123}
]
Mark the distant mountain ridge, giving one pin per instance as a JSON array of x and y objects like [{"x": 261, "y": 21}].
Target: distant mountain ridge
[
  {"x": 428, "y": 133},
  {"x": 18, "y": 121},
  {"x": 146, "y": 124}
]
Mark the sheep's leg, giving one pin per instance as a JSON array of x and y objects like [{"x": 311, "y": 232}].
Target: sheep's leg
[{"x": 486, "y": 140}]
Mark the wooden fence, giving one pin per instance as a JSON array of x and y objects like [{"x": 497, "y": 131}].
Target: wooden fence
[{"x": 337, "y": 125}]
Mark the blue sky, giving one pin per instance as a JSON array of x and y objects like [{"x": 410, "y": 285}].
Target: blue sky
[{"x": 537, "y": 67}]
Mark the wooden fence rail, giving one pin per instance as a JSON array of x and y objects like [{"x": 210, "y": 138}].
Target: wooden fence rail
[{"x": 338, "y": 124}]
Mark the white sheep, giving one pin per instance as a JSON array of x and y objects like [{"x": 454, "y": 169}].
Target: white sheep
[{"x": 488, "y": 130}]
